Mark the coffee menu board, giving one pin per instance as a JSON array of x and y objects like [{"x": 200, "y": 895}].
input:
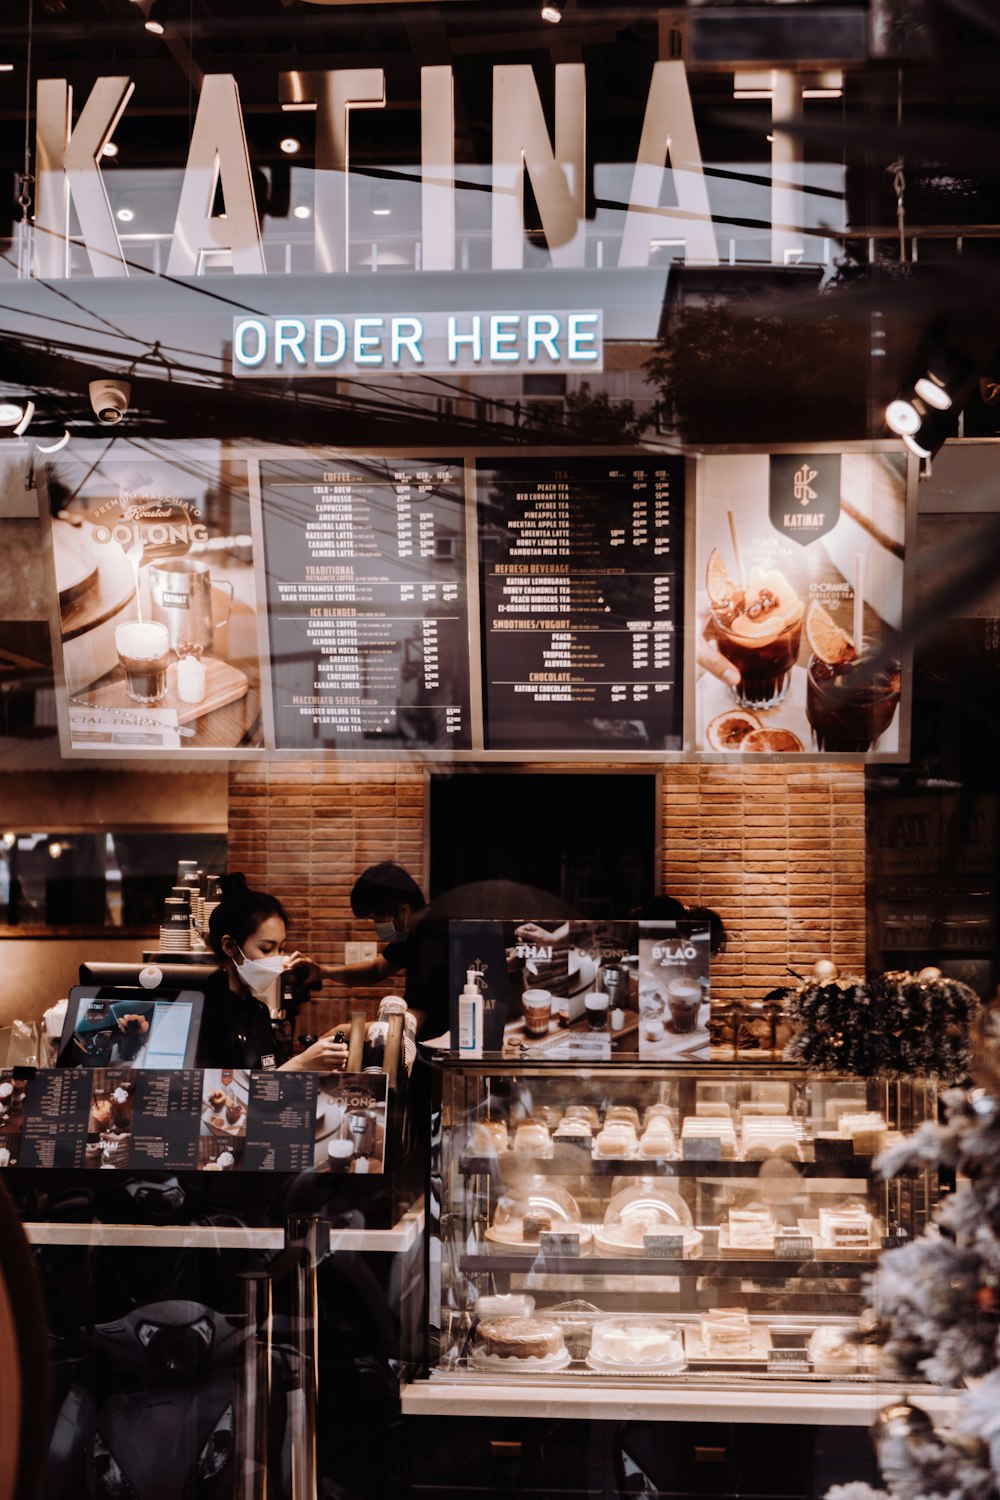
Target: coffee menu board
[
  {"x": 212, "y": 1120},
  {"x": 582, "y": 596},
  {"x": 367, "y": 608}
]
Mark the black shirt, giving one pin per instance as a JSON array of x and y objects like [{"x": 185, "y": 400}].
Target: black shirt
[{"x": 236, "y": 1030}]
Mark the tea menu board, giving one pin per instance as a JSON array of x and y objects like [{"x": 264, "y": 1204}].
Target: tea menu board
[
  {"x": 582, "y": 588},
  {"x": 367, "y": 608},
  {"x": 215, "y": 1120}
]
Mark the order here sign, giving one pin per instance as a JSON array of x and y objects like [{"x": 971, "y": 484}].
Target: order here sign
[{"x": 410, "y": 344}]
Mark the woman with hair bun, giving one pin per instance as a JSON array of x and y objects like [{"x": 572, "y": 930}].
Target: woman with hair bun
[{"x": 246, "y": 932}]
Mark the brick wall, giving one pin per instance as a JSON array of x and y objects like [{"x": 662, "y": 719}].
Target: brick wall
[
  {"x": 305, "y": 831},
  {"x": 778, "y": 850}
]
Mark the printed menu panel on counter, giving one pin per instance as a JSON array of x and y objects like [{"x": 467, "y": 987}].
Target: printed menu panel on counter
[
  {"x": 215, "y": 1120},
  {"x": 800, "y": 569},
  {"x": 581, "y": 571},
  {"x": 367, "y": 606}
]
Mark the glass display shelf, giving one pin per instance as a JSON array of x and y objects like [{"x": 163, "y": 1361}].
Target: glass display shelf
[{"x": 648, "y": 1224}]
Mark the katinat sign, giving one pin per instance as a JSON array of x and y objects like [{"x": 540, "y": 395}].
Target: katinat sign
[{"x": 69, "y": 175}]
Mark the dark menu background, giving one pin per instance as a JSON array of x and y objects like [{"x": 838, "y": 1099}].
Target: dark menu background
[
  {"x": 581, "y": 576},
  {"x": 367, "y": 607}
]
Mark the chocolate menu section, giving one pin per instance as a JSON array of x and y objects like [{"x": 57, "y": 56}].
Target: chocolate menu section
[
  {"x": 581, "y": 574},
  {"x": 367, "y": 608}
]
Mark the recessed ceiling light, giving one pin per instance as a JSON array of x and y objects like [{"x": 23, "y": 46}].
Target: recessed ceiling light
[
  {"x": 125, "y": 214},
  {"x": 10, "y": 412},
  {"x": 290, "y": 145},
  {"x": 109, "y": 149},
  {"x": 156, "y": 18},
  {"x": 6, "y": 67},
  {"x": 552, "y": 12},
  {"x": 378, "y": 201},
  {"x": 302, "y": 211}
]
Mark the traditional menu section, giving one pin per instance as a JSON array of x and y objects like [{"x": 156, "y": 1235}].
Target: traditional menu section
[
  {"x": 367, "y": 608},
  {"x": 581, "y": 569}
]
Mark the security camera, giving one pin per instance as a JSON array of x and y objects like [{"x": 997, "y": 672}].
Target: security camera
[{"x": 110, "y": 399}]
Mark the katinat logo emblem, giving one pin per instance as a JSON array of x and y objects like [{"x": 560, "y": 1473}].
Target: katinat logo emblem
[
  {"x": 804, "y": 495},
  {"x": 802, "y": 484}
]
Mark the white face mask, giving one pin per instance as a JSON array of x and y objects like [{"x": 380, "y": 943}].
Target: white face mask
[
  {"x": 385, "y": 931},
  {"x": 258, "y": 974}
]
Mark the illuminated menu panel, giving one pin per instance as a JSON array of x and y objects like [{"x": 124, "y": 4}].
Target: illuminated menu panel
[
  {"x": 581, "y": 574},
  {"x": 367, "y": 608}
]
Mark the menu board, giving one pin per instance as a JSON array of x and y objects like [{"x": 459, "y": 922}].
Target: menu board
[
  {"x": 581, "y": 576},
  {"x": 800, "y": 567},
  {"x": 367, "y": 607},
  {"x": 211, "y": 1120}
]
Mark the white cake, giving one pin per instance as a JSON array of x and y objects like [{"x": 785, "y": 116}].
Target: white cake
[
  {"x": 725, "y": 1332},
  {"x": 844, "y": 1228},
  {"x": 631, "y": 1342},
  {"x": 751, "y": 1229}
]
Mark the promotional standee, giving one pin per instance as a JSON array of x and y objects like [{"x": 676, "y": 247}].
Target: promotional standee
[
  {"x": 579, "y": 989},
  {"x": 800, "y": 602},
  {"x": 155, "y": 633}
]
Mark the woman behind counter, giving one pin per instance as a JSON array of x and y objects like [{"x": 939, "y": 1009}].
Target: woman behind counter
[{"x": 246, "y": 932}]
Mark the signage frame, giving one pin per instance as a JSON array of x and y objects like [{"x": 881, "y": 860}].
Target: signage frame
[{"x": 255, "y": 452}]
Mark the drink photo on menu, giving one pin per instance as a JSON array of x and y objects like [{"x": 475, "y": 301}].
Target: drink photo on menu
[
  {"x": 12, "y": 1092},
  {"x": 154, "y": 614},
  {"x": 225, "y": 1096},
  {"x": 111, "y": 1120},
  {"x": 350, "y": 1123},
  {"x": 673, "y": 989},
  {"x": 800, "y": 564}
]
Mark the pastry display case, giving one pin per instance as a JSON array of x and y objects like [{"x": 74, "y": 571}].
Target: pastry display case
[{"x": 687, "y": 1222}]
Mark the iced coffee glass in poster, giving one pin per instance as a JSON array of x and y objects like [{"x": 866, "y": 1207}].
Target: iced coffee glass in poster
[
  {"x": 800, "y": 601},
  {"x": 156, "y": 627},
  {"x": 673, "y": 988}
]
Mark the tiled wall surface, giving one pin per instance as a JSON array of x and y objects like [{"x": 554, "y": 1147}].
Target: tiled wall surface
[{"x": 778, "y": 850}]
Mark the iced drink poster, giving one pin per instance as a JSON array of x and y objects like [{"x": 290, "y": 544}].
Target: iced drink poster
[
  {"x": 673, "y": 988},
  {"x": 800, "y": 586}
]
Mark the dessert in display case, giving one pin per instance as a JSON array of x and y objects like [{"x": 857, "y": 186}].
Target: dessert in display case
[{"x": 687, "y": 1222}]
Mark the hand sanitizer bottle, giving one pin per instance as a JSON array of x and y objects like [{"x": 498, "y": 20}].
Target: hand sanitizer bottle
[{"x": 470, "y": 1018}]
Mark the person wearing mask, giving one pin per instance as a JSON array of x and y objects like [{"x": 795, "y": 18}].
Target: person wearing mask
[
  {"x": 247, "y": 932},
  {"x": 388, "y": 897}
]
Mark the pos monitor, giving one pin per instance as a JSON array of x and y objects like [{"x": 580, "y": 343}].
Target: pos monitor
[{"x": 135, "y": 1015}]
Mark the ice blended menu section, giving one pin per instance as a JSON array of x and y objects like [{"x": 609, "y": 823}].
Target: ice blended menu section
[
  {"x": 367, "y": 607},
  {"x": 581, "y": 576}
]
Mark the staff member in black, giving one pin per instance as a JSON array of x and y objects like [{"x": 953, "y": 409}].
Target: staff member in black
[{"x": 246, "y": 932}]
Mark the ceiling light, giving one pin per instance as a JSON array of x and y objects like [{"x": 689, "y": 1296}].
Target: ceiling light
[
  {"x": 156, "y": 19},
  {"x": 290, "y": 145},
  {"x": 56, "y": 446},
  {"x": 55, "y": 849},
  {"x": 9, "y": 840},
  {"x": 10, "y": 412},
  {"x": 929, "y": 390},
  {"x": 6, "y": 67},
  {"x": 378, "y": 202},
  {"x": 109, "y": 149},
  {"x": 125, "y": 213},
  {"x": 902, "y": 418},
  {"x": 948, "y": 371},
  {"x": 302, "y": 211},
  {"x": 552, "y": 12}
]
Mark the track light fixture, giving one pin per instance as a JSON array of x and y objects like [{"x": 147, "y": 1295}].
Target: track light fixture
[
  {"x": 552, "y": 11},
  {"x": 156, "y": 18},
  {"x": 947, "y": 372}
]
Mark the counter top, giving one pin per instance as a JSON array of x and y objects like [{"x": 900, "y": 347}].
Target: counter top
[
  {"x": 788, "y": 1404},
  {"x": 402, "y": 1236}
]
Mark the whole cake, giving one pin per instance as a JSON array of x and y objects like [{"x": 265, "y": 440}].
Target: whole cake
[
  {"x": 628, "y": 1342},
  {"x": 519, "y": 1338}
]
